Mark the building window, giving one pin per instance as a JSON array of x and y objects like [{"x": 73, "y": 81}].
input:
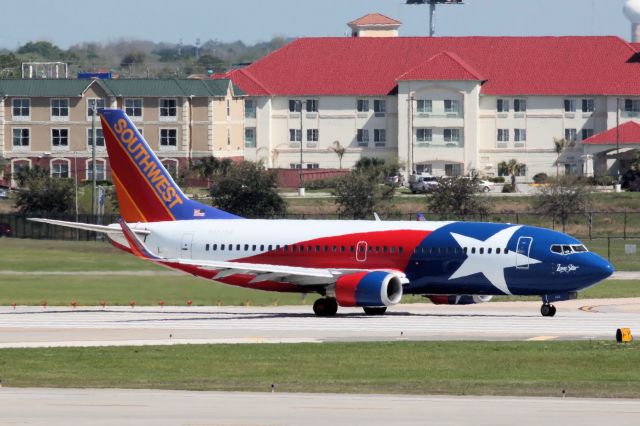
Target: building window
[
  {"x": 503, "y": 135},
  {"x": 60, "y": 108},
  {"x": 168, "y": 108},
  {"x": 99, "y": 138},
  {"x": 451, "y": 106},
  {"x": 363, "y": 137},
  {"x": 312, "y": 105},
  {"x": 295, "y": 105},
  {"x": 249, "y": 108},
  {"x": 60, "y": 138},
  {"x": 379, "y": 106},
  {"x": 502, "y": 105},
  {"x": 632, "y": 105},
  {"x": 60, "y": 170},
  {"x": 312, "y": 135},
  {"x": 520, "y": 135},
  {"x": 424, "y": 106},
  {"x": 569, "y": 105},
  {"x": 100, "y": 175},
  {"x": 313, "y": 166},
  {"x": 362, "y": 105},
  {"x": 379, "y": 137},
  {"x": 172, "y": 167},
  {"x": 295, "y": 135},
  {"x": 519, "y": 105},
  {"x": 21, "y": 107},
  {"x": 133, "y": 107},
  {"x": 228, "y": 107},
  {"x": 168, "y": 138},
  {"x": 228, "y": 137},
  {"x": 570, "y": 135},
  {"x": 587, "y": 133},
  {"x": 98, "y": 103},
  {"x": 453, "y": 169},
  {"x": 588, "y": 105},
  {"x": 20, "y": 138},
  {"x": 250, "y": 137},
  {"x": 424, "y": 135},
  {"x": 452, "y": 135}
]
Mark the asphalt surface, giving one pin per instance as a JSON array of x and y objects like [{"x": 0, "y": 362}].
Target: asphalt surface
[{"x": 118, "y": 326}]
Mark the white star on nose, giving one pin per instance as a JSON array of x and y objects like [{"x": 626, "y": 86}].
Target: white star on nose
[{"x": 492, "y": 266}]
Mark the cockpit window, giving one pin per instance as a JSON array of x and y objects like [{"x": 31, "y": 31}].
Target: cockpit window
[{"x": 568, "y": 249}]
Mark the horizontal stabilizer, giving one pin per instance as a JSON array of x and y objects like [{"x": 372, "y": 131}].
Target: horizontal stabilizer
[{"x": 105, "y": 229}]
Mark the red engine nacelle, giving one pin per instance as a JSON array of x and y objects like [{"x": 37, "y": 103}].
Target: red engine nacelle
[
  {"x": 451, "y": 299},
  {"x": 377, "y": 288}
]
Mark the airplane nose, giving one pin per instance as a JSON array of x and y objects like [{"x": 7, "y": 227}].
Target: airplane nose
[{"x": 597, "y": 268}]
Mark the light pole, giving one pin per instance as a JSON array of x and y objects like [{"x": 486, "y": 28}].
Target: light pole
[
  {"x": 75, "y": 181},
  {"x": 93, "y": 159},
  {"x": 617, "y": 142},
  {"x": 301, "y": 187}
]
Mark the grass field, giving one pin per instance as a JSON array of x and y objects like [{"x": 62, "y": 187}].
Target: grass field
[
  {"x": 90, "y": 290},
  {"x": 458, "y": 368}
]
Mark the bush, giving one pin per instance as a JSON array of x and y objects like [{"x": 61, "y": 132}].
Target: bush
[
  {"x": 540, "y": 178},
  {"x": 497, "y": 179},
  {"x": 321, "y": 183},
  {"x": 508, "y": 188}
]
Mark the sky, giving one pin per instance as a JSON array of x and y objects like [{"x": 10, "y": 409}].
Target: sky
[{"x": 67, "y": 22}]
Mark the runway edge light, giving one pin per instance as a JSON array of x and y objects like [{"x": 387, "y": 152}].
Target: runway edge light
[{"x": 623, "y": 335}]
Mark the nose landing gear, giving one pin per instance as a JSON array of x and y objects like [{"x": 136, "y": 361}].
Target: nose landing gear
[
  {"x": 325, "y": 307},
  {"x": 547, "y": 310}
]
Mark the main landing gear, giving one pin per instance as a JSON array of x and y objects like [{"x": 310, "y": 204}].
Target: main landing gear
[
  {"x": 547, "y": 310},
  {"x": 375, "y": 310},
  {"x": 325, "y": 307}
]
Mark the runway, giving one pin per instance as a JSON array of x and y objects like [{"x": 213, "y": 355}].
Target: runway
[
  {"x": 134, "y": 407},
  {"x": 65, "y": 326}
]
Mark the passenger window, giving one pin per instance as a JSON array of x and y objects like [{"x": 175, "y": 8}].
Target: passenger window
[
  {"x": 351, "y": 249},
  {"x": 400, "y": 249},
  {"x": 246, "y": 247},
  {"x": 261, "y": 247},
  {"x": 206, "y": 247},
  {"x": 489, "y": 250},
  {"x": 506, "y": 251},
  {"x": 449, "y": 249},
  {"x": 230, "y": 247},
  {"x": 277, "y": 246},
  {"x": 498, "y": 250},
  {"x": 215, "y": 247},
  {"x": 293, "y": 249},
  {"x": 270, "y": 247},
  {"x": 473, "y": 250},
  {"x": 286, "y": 247},
  {"x": 392, "y": 249},
  {"x": 238, "y": 247},
  {"x": 361, "y": 249},
  {"x": 384, "y": 249},
  {"x": 334, "y": 249},
  {"x": 317, "y": 249},
  {"x": 326, "y": 249},
  {"x": 221, "y": 246},
  {"x": 342, "y": 249},
  {"x": 377, "y": 249},
  {"x": 481, "y": 250},
  {"x": 464, "y": 250},
  {"x": 253, "y": 247},
  {"x": 309, "y": 249}
]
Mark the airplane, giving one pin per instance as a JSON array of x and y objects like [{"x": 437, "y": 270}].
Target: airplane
[{"x": 349, "y": 263}]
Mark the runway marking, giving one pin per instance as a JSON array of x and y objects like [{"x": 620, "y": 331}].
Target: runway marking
[{"x": 542, "y": 338}]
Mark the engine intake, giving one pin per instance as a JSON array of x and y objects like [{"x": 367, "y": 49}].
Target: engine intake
[
  {"x": 377, "y": 288},
  {"x": 452, "y": 299}
]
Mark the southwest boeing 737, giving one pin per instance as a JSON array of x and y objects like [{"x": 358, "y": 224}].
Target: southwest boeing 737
[{"x": 369, "y": 264}]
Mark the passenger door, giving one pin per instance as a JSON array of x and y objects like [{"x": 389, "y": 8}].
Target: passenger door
[
  {"x": 522, "y": 252},
  {"x": 186, "y": 245}
]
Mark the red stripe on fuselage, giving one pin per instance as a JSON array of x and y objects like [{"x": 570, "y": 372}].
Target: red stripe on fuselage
[{"x": 339, "y": 255}]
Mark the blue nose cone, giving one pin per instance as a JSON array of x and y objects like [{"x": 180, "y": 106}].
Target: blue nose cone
[{"x": 595, "y": 269}]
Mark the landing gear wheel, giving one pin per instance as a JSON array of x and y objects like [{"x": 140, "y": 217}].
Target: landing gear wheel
[
  {"x": 325, "y": 307},
  {"x": 548, "y": 310},
  {"x": 375, "y": 311}
]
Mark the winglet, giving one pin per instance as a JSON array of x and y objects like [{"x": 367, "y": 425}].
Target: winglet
[{"x": 136, "y": 246}]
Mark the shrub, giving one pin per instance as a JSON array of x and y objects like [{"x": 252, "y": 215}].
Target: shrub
[
  {"x": 497, "y": 179},
  {"x": 508, "y": 188},
  {"x": 540, "y": 178}
]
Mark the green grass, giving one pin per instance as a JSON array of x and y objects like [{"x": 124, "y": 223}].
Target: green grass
[{"x": 583, "y": 369}]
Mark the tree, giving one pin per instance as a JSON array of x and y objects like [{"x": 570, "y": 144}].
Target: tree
[
  {"x": 558, "y": 147},
  {"x": 359, "y": 195},
  {"x": 511, "y": 168},
  {"x": 339, "y": 150},
  {"x": 209, "y": 167},
  {"x": 248, "y": 190},
  {"x": 133, "y": 58},
  {"x": 562, "y": 197},
  {"x": 457, "y": 196},
  {"x": 376, "y": 168},
  {"x": 41, "y": 193},
  {"x": 44, "y": 49}
]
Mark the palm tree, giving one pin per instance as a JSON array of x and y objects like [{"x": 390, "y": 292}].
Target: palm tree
[
  {"x": 511, "y": 168},
  {"x": 558, "y": 147},
  {"x": 339, "y": 151}
]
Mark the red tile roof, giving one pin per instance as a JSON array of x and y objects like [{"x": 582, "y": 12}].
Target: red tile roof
[
  {"x": 374, "y": 19},
  {"x": 511, "y": 65},
  {"x": 443, "y": 66},
  {"x": 628, "y": 132}
]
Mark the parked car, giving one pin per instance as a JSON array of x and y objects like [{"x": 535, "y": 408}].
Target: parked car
[
  {"x": 394, "y": 180},
  {"x": 486, "y": 185},
  {"x": 4, "y": 194},
  {"x": 422, "y": 183}
]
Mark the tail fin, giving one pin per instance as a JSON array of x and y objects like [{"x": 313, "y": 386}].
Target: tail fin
[{"x": 146, "y": 192}]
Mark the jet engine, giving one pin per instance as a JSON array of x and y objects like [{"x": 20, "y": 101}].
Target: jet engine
[
  {"x": 451, "y": 299},
  {"x": 377, "y": 288}
]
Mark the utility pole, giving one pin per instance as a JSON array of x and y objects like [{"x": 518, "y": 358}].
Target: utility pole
[{"x": 432, "y": 10}]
